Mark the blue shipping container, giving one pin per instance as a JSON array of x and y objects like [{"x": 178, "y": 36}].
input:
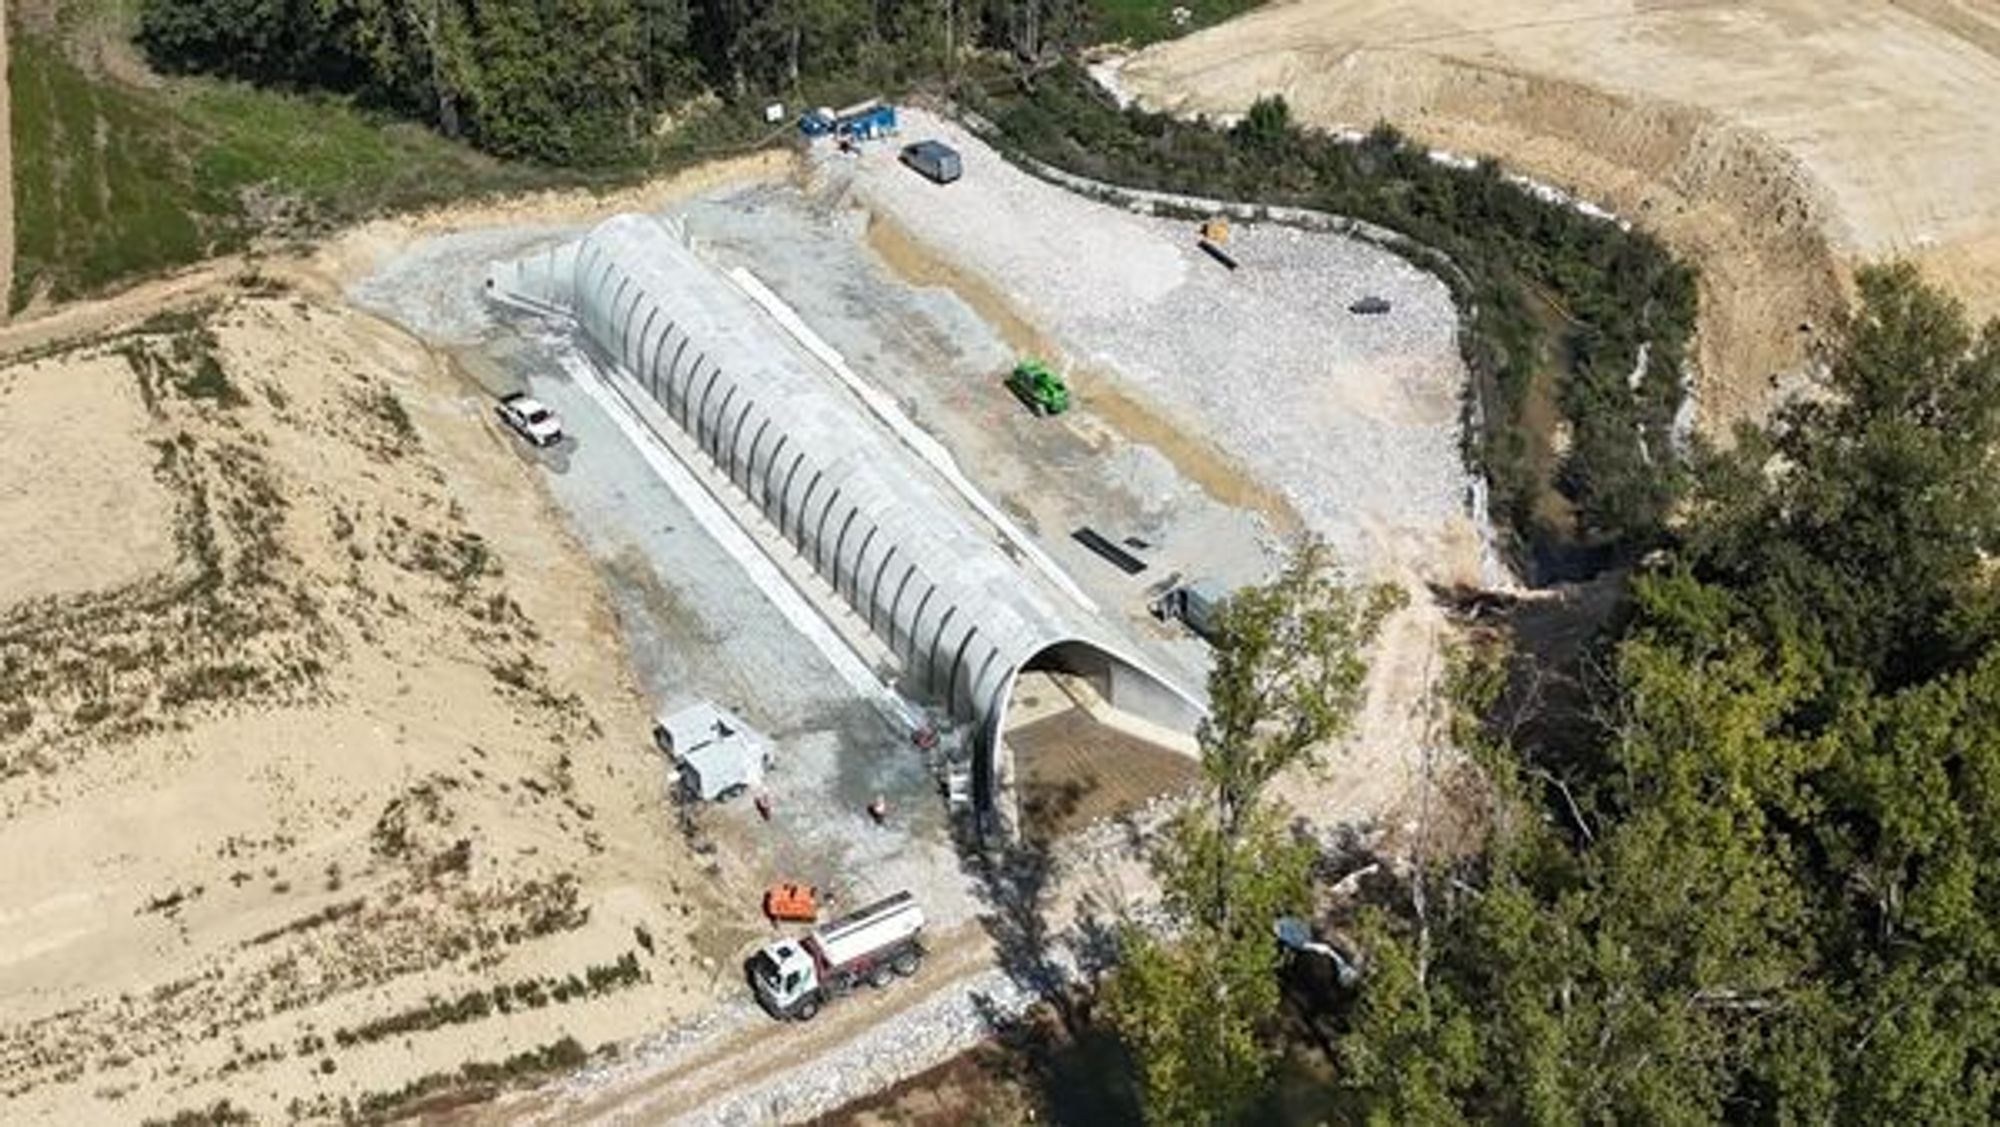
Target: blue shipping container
[{"x": 879, "y": 121}]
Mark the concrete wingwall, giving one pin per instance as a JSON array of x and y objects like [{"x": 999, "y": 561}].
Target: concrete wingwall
[{"x": 931, "y": 583}]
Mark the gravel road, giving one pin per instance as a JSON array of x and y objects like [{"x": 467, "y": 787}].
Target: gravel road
[{"x": 738, "y": 1066}]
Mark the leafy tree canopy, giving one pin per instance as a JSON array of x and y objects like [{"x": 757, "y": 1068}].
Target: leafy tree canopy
[
  {"x": 1195, "y": 1008},
  {"x": 576, "y": 82},
  {"x": 1772, "y": 902}
]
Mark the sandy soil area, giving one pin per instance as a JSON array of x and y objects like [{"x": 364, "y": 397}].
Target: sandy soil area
[
  {"x": 1779, "y": 143},
  {"x": 320, "y": 769},
  {"x": 94, "y": 518}
]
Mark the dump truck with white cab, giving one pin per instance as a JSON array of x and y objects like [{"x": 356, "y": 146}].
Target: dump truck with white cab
[{"x": 793, "y": 978}]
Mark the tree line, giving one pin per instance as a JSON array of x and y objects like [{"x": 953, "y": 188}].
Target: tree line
[
  {"x": 583, "y": 82},
  {"x": 1288, "y": 678},
  {"x": 1762, "y": 890}
]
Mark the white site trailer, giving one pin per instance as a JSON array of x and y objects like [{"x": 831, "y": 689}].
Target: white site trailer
[
  {"x": 716, "y": 754},
  {"x": 794, "y": 978}
]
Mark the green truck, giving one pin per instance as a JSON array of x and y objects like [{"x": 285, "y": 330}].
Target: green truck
[{"x": 1039, "y": 387}]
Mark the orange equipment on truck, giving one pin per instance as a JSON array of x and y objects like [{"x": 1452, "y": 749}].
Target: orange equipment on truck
[{"x": 798, "y": 903}]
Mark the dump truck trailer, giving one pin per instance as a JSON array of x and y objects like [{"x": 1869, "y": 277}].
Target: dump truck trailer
[{"x": 872, "y": 946}]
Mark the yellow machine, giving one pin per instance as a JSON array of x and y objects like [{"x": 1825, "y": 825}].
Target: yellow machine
[{"x": 1214, "y": 233}]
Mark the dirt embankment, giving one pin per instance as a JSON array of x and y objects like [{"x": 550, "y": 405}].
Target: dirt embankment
[
  {"x": 321, "y": 772},
  {"x": 1777, "y": 144},
  {"x": 323, "y": 777}
]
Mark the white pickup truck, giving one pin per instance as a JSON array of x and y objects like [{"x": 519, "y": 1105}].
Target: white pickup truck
[
  {"x": 530, "y": 419},
  {"x": 794, "y": 978}
]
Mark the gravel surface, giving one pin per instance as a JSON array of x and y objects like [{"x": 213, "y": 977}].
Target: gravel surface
[
  {"x": 697, "y": 627},
  {"x": 923, "y": 1035},
  {"x": 1354, "y": 419},
  {"x": 433, "y": 288},
  {"x": 945, "y": 365}
]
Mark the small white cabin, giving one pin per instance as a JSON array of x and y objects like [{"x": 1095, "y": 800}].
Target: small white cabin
[{"x": 718, "y": 755}]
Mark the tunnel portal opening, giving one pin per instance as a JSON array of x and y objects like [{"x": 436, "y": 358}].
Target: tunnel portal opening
[{"x": 1087, "y": 736}]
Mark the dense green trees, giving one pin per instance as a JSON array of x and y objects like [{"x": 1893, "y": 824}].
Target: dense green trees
[
  {"x": 570, "y": 82},
  {"x": 273, "y": 41},
  {"x": 1886, "y": 503},
  {"x": 1770, "y": 899},
  {"x": 1195, "y": 1009},
  {"x": 580, "y": 81}
]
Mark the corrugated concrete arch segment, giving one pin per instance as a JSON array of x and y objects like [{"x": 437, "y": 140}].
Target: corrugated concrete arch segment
[{"x": 930, "y": 580}]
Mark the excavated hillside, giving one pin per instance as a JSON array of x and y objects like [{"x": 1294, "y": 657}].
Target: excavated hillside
[
  {"x": 322, "y": 777},
  {"x": 1777, "y": 144}
]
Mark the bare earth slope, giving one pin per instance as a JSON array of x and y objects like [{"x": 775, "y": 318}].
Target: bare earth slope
[
  {"x": 321, "y": 772},
  {"x": 1778, "y": 142}
]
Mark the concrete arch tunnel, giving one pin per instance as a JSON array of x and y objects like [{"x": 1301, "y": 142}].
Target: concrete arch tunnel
[{"x": 935, "y": 585}]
